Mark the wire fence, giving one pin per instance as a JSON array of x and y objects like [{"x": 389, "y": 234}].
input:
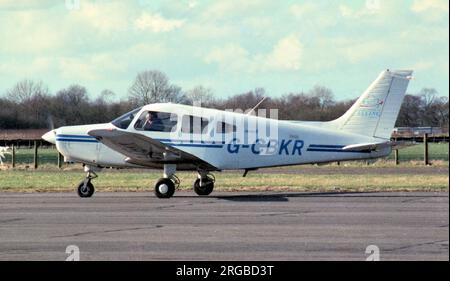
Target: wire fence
[{"x": 48, "y": 155}]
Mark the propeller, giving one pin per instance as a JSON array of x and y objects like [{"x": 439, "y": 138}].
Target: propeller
[
  {"x": 50, "y": 123},
  {"x": 50, "y": 136}
]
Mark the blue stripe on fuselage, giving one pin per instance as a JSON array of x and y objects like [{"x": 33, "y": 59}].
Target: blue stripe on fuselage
[
  {"x": 335, "y": 150},
  {"x": 90, "y": 139},
  {"x": 194, "y": 145},
  {"x": 75, "y": 136},
  {"x": 326, "y": 146},
  {"x": 208, "y": 144},
  {"x": 76, "y": 140}
]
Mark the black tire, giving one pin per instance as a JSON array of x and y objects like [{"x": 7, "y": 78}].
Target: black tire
[
  {"x": 166, "y": 191},
  {"x": 87, "y": 191},
  {"x": 205, "y": 189}
]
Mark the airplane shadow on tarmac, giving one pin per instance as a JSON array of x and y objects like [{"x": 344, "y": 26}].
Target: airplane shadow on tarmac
[
  {"x": 276, "y": 197},
  {"x": 284, "y": 197}
]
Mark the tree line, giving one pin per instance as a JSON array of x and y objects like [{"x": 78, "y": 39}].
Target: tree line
[{"x": 30, "y": 104}]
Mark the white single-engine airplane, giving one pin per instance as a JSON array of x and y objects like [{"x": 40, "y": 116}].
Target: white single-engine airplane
[{"x": 173, "y": 136}]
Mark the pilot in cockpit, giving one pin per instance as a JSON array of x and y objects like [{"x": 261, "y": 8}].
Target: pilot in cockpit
[{"x": 152, "y": 122}]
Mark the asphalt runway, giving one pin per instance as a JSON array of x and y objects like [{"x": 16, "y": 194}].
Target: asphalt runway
[{"x": 225, "y": 226}]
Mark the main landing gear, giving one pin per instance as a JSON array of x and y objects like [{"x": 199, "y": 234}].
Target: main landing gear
[
  {"x": 204, "y": 184},
  {"x": 86, "y": 188},
  {"x": 165, "y": 187}
]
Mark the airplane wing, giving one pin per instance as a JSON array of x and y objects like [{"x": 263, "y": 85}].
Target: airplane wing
[
  {"x": 145, "y": 151},
  {"x": 377, "y": 146}
]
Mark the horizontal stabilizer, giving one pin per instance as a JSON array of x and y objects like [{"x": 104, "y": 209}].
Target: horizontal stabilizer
[
  {"x": 378, "y": 145},
  {"x": 367, "y": 146}
]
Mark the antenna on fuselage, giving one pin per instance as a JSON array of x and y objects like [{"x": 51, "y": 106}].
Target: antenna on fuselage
[{"x": 256, "y": 106}]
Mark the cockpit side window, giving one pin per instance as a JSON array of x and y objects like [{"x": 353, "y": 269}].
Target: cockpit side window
[
  {"x": 156, "y": 121},
  {"x": 124, "y": 121},
  {"x": 194, "y": 125}
]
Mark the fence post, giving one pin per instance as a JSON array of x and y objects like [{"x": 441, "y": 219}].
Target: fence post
[
  {"x": 13, "y": 156},
  {"x": 396, "y": 156},
  {"x": 425, "y": 151},
  {"x": 59, "y": 160},
  {"x": 35, "y": 163}
]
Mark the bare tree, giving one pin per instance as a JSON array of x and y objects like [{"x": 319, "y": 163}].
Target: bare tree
[
  {"x": 410, "y": 112},
  {"x": 245, "y": 101},
  {"x": 31, "y": 99},
  {"x": 24, "y": 90},
  {"x": 28, "y": 104},
  {"x": 153, "y": 86},
  {"x": 200, "y": 95},
  {"x": 323, "y": 95},
  {"x": 72, "y": 106},
  {"x": 428, "y": 96},
  {"x": 106, "y": 96}
]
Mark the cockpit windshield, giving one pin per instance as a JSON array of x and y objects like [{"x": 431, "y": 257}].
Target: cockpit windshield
[{"x": 124, "y": 121}]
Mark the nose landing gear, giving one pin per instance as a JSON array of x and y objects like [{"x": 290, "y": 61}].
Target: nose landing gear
[{"x": 86, "y": 188}]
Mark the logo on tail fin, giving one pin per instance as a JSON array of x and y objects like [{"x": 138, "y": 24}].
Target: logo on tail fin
[
  {"x": 370, "y": 107},
  {"x": 371, "y": 102}
]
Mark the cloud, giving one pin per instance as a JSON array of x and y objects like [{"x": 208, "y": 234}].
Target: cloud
[
  {"x": 74, "y": 69},
  {"x": 285, "y": 56},
  {"x": 430, "y": 5},
  {"x": 104, "y": 17},
  {"x": 361, "y": 13},
  {"x": 23, "y": 32},
  {"x": 105, "y": 42},
  {"x": 356, "y": 51},
  {"x": 423, "y": 65},
  {"x": 156, "y": 23},
  {"x": 208, "y": 31},
  {"x": 153, "y": 50},
  {"x": 58, "y": 31},
  {"x": 302, "y": 10},
  {"x": 14, "y": 5},
  {"x": 232, "y": 9},
  {"x": 93, "y": 67},
  {"x": 192, "y": 4},
  {"x": 230, "y": 57},
  {"x": 432, "y": 10},
  {"x": 27, "y": 68}
]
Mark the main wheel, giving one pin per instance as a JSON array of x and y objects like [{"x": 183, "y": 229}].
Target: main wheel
[
  {"x": 85, "y": 191},
  {"x": 205, "y": 189},
  {"x": 164, "y": 188}
]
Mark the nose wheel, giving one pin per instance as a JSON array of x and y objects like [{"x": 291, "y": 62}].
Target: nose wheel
[{"x": 85, "y": 189}]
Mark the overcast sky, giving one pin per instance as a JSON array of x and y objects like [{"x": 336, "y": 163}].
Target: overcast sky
[{"x": 229, "y": 46}]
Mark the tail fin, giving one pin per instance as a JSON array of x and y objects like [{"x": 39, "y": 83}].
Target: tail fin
[{"x": 375, "y": 112}]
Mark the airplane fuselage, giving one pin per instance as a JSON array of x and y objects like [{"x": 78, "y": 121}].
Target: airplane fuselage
[{"x": 291, "y": 143}]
